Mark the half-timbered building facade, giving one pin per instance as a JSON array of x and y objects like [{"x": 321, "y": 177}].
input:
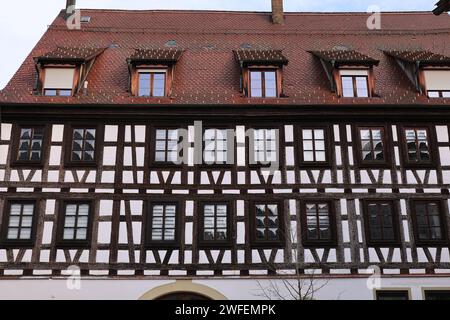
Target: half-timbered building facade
[{"x": 151, "y": 153}]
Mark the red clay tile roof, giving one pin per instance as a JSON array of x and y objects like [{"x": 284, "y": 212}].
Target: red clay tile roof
[
  {"x": 207, "y": 73},
  {"x": 422, "y": 56},
  {"x": 156, "y": 55},
  {"x": 70, "y": 54},
  {"x": 345, "y": 57},
  {"x": 260, "y": 56}
]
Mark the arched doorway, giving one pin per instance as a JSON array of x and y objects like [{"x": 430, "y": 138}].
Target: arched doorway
[
  {"x": 183, "y": 296},
  {"x": 183, "y": 290}
]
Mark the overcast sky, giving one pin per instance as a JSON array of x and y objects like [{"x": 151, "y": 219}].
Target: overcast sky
[{"x": 22, "y": 22}]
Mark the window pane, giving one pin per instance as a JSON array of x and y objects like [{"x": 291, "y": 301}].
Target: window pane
[
  {"x": 76, "y": 221},
  {"x": 347, "y": 87},
  {"x": 372, "y": 144},
  {"x": 271, "y": 84},
  {"x": 83, "y": 145},
  {"x": 159, "y": 84},
  {"x": 30, "y": 144},
  {"x": 361, "y": 87},
  {"x": 256, "y": 84},
  {"x": 163, "y": 222},
  {"x": 65, "y": 93},
  {"x": 433, "y": 94},
  {"x": 50, "y": 93},
  {"x": 13, "y": 234},
  {"x": 144, "y": 84}
]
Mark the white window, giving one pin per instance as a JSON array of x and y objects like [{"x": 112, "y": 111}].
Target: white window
[
  {"x": 59, "y": 81},
  {"x": 314, "y": 145},
  {"x": 265, "y": 146},
  {"x": 163, "y": 224},
  {"x": 20, "y": 221},
  {"x": 215, "y": 146},
  {"x": 167, "y": 145}
]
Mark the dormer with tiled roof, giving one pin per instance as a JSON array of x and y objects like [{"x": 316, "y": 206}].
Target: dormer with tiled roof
[
  {"x": 152, "y": 71},
  {"x": 428, "y": 71},
  {"x": 63, "y": 71},
  {"x": 350, "y": 72},
  {"x": 261, "y": 72}
]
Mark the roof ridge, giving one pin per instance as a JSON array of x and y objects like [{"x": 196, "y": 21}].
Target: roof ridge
[{"x": 181, "y": 11}]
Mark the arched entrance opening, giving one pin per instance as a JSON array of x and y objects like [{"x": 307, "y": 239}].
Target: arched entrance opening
[
  {"x": 183, "y": 296},
  {"x": 183, "y": 290}
]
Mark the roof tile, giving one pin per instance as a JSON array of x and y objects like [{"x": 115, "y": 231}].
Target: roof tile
[
  {"x": 260, "y": 56},
  {"x": 70, "y": 53},
  {"x": 161, "y": 55},
  {"x": 423, "y": 56},
  {"x": 345, "y": 57}
]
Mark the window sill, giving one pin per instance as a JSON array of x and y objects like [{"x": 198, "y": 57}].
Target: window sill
[
  {"x": 81, "y": 165},
  {"x": 73, "y": 245},
  {"x": 23, "y": 164},
  {"x": 162, "y": 246},
  {"x": 438, "y": 243},
  {"x": 212, "y": 245},
  {"x": 17, "y": 245},
  {"x": 312, "y": 245},
  {"x": 268, "y": 245},
  {"x": 393, "y": 244},
  {"x": 383, "y": 165}
]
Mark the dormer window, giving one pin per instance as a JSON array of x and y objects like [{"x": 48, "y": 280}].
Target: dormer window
[
  {"x": 151, "y": 72},
  {"x": 62, "y": 72},
  {"x": 355, "y": 83},
  {"x": 59, "y": 81},
  {"x": 152, "y": 83},
  {"x": 263, "y": 83},
  {"x": 350, "y": 72},
  {"x": 428, "y": 71},
  {"x": 261, "y": 72}
]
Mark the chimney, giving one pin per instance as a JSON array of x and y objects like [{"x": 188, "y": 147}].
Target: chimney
[
  {"x": 277, "y": 12},
  {"x": 70, "y": 7}
]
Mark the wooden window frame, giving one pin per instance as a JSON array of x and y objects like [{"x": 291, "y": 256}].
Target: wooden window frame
[
  {"x": 15, "y": 144},
  {"x": 263, "y": 70},
  {"x": 152, "y": 244},
  {"x": 432, "y": 143},
  {"x": 357, "y": 150},
  {"x": 272, "y": 244},
  {"x": 17, "y": 243},
  {"x": 396, "y": 242},
  {"x": 311, "y": 243},
  {"x": 443, "y": 221},
  {"x": 74, "y": 244},
  {"x": 392, "y": 293},
  {"x": 328, "y": 147},
  {"x": 152, "y": 147},
  {"x": 68, "y": 141},
  {"x": 355, "y": 88},
  {"x": 136, "y": 69},
  {"x": 152, "y": 74},
  {"x": 211, "y": 244}
]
